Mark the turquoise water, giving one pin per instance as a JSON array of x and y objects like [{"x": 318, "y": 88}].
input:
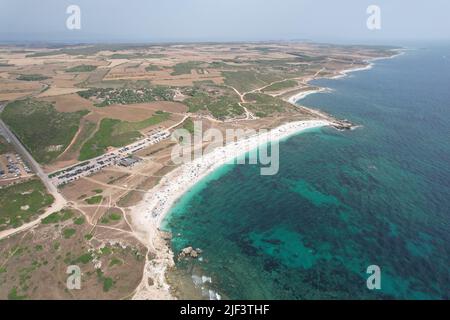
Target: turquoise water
[{"x": 377, "y": 195}]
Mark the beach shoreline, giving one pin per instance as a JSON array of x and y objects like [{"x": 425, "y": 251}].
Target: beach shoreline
[
  {"x": 148, "y": 215},
  {"x": 295, "y": 98}
]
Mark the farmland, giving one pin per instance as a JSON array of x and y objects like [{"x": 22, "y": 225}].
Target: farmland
[
  {"x": 32, "y": 77},
  {"x": 69, "y": 104},
  {"x": 82, "y": 68}
]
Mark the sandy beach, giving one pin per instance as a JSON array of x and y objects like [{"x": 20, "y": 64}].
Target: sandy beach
[
  {"x": 148, "y": 214},
  {"x": 301, "y": 95}
]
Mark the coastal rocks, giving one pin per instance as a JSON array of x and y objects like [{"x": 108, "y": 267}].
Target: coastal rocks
[
  {"x": 343, "y": 125},
  {"x": 189, "y": 252},
  {"x": 165, "y": 235}
]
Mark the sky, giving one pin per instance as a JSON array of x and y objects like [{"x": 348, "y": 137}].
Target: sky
[{"x": 339, "y": 21}]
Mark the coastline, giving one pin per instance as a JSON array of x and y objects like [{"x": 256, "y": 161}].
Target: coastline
[
  {"x": 148, "y": 215},
  {"x": 294, "y": 99}
]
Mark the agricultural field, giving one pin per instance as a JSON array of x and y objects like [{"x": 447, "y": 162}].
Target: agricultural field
[
  {"x": 32, "y": 77},
  {"x": 70, "y": 104},
  {"x": 82, "y": 68}
]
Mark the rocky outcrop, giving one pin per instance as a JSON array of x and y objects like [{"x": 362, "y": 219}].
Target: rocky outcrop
[
  {"x": 343, "y": 125},
  {"x": 190, "y": 252}
]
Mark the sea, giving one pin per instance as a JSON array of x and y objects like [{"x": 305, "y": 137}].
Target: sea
[{"x": 358, "y": 214}]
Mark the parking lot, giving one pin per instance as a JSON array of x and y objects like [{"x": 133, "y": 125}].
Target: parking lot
[
  {"x": 117, "y": 157},
  {"x": 12, "y": 167}
]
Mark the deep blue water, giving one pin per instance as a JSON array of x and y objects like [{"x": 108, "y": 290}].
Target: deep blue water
[{"x": 377, "y": 195}]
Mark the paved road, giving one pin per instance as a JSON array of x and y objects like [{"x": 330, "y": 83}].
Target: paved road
[
  {"x": 26, "y": 155},
  {"x": 59, "y": 202}
]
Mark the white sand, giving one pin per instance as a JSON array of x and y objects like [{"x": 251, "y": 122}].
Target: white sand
[
  {"x": 148, "y": 214},
  {"x": 301, "y": 95}
]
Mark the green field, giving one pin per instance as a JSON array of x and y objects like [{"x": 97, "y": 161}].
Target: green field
[
  {"x": 94, "y": 49},
  {"x": 111, "y": 217},
  {"x": 281, "y": 85},
  {"x": 4, "y": 146},
  {"x": 68, "y": 233},
  {"x": 110, "y": 96},
  {"x": 243, "y": 81},
  {"x": 136, "y": 56},
  {"x": 152, "y": 67},
  {"x": 22, "y": 203},
  {"x": 32, "y": 77},
  {"x": 82, "y": 68},
  {"x": 87, "y": 130},
  {"x": 116, "y": 133},
  {"x": 44, "y": 131},
  {"x": 94, "y": 200},
  {"x": 221, "y": 106},
  {"x": 57, "y": 217},
  {"x": 188, "y": 125},
  {"x": 185, "y": 67},
  {"x": 264, "y": 105}
]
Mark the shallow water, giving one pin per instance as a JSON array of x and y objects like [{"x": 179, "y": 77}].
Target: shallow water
[{"x": 377, "y": 195}]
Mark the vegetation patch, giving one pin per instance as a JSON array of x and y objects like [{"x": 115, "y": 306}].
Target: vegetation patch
[
  {"x": 44, "y": 131},
  {"x": 31, "y": 194},
  {"x": 243, "y": 81},
  {"x": 13, "y": 295},
  {"x": 32, "y": 77},
  {"x": 220, "y": 103},
  {"x": 103, "y": 97},
  {"x": 116, "y": 133},
  {"x": 68, "y": 233},
  {"x": 79, "y": 221},
  {"x": 115, "y": 261},
  {"x": 85, "y": 258},
  {"x": 188, "y": 125},
  {"x": 108, "y": 283},
  {"x": 185, "y": 67},
  {"x": 57, "y": 217},
  {"x": 4, "y": 146},
  {"x": 265, "y": 105},
  {"x": 152, "y": 67},
  {"x": 131, "y": 56},
  {"x": 277, "y": 86},
  {"x": 82, "y": 68},
  {"x": 110, "y": 217},
  {"x": 94, "y": 200}
]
